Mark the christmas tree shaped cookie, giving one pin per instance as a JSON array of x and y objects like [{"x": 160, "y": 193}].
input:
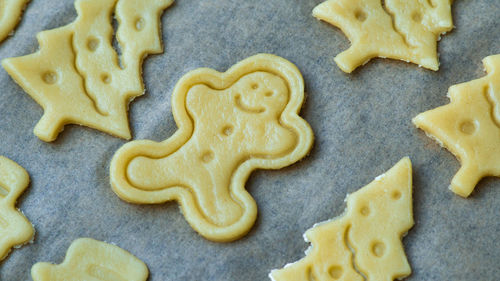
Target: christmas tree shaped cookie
[
  {"x": 366, "y": 240},
  {"x": 10, "y": 14},
  {"x": 15, "y": 229},
  {"x": 229, "y": 125},
  {"x": 469, "y": 127},
  {"x": 77, "y": 76},
  {"x": 398, "y": 29},
  {"x": 88, "y": 259}
]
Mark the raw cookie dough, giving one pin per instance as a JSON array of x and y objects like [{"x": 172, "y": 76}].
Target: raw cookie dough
[
  {"x": 15, "y": 229},
  {"x": 366, "y": 240},
  {"x": 469, "y": 127},
  {"x": 77, "y": 76},
  {"x": 399, "y": 29},
  {"x": 89, "y": 259},
  {"x": 10, "y": 15},
  {"x": 229, "y": 125}
]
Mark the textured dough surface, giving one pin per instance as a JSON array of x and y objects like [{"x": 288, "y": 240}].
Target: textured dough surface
[
  {"x": 92, "y": 260},
  {"x": 77, "y": 76},
  {"x": 229, "y": 125},
  {"x": 15, "y": 229},
  {"x": 398, "y": 29},
  {"x": 365, "y": 243},
  {"x": 10, "y": 14},
  {"x": 469, "y": 127}
]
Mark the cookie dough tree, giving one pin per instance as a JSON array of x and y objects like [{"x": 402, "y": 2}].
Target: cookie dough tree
[
  {"x": 366, "y": 240},
  {"x": 469, "y": 127},
  {"x": 399, "y": 29},
  {"x": 77, "y": 76}
]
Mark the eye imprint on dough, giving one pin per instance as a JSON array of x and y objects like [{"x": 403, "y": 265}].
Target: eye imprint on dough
[
  {"x": 92, "y": 44},
  {"x": 335, "y": 272},
  {"x": 255, "y": 86},
  {"x": 49, "y": 77},
  {"x": 468, "y": 127},
  {"x": 360, "y": 15},
  {"x": 139, "y": 24},
  {"x": 378, "y": 249}
]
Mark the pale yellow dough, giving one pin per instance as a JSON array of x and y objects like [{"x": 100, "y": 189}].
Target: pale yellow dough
[
  {"x": 366, "y": 240},
  {"x": 10, "y": 15},
  {"x": 469, "y": 127},
  {"x": 15, "y": 229},
  {"x": 92, "y": 260},
  {"x": 229, "y": 125},
  {"x": 76, "y": 75},
  {"x": 407, "y": 30}
]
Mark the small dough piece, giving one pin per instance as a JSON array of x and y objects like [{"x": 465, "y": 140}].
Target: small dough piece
[
  {"x": 469, "y": 127},
  {"x": 229, "y": 125},
  {"x": 10, "y": 15},
  {"x": 77, "y": 76},
  {"x": 89, "y": 259},
  {"x": 407, "y": 30},
  {"x": 368, "y": 235},
  {"x": 15, "y": 229}
]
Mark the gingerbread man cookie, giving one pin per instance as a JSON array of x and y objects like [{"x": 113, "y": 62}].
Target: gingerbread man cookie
[
  {"x": 229, "y": 125},
  {"x": 92, "y": 260},
  {"x": 469, "y": 127},
  {"x": 10, "y": 14},
  {"x": 15, "y": 229},
  {"x": 399, "y": 29}
]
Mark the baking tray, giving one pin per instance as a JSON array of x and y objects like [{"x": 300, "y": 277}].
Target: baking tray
[{"x": 362, "y": 124}]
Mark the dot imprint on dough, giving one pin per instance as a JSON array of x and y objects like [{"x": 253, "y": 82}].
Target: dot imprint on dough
[
  {"x": 468, "y": 127},
  {"x": 49, "y": 77},
  {"x": 335, "y": 272},
  {"x": 378, "y": 249},
  {"x": 92, "y": 44},
  {"x": 360, "y": 15},
  {"x": 365, "y": 211},
  {"x": 139, "y": 24}
]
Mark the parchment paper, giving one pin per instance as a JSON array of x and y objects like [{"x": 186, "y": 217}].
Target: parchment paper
[{"x": 362, "y": 124}]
